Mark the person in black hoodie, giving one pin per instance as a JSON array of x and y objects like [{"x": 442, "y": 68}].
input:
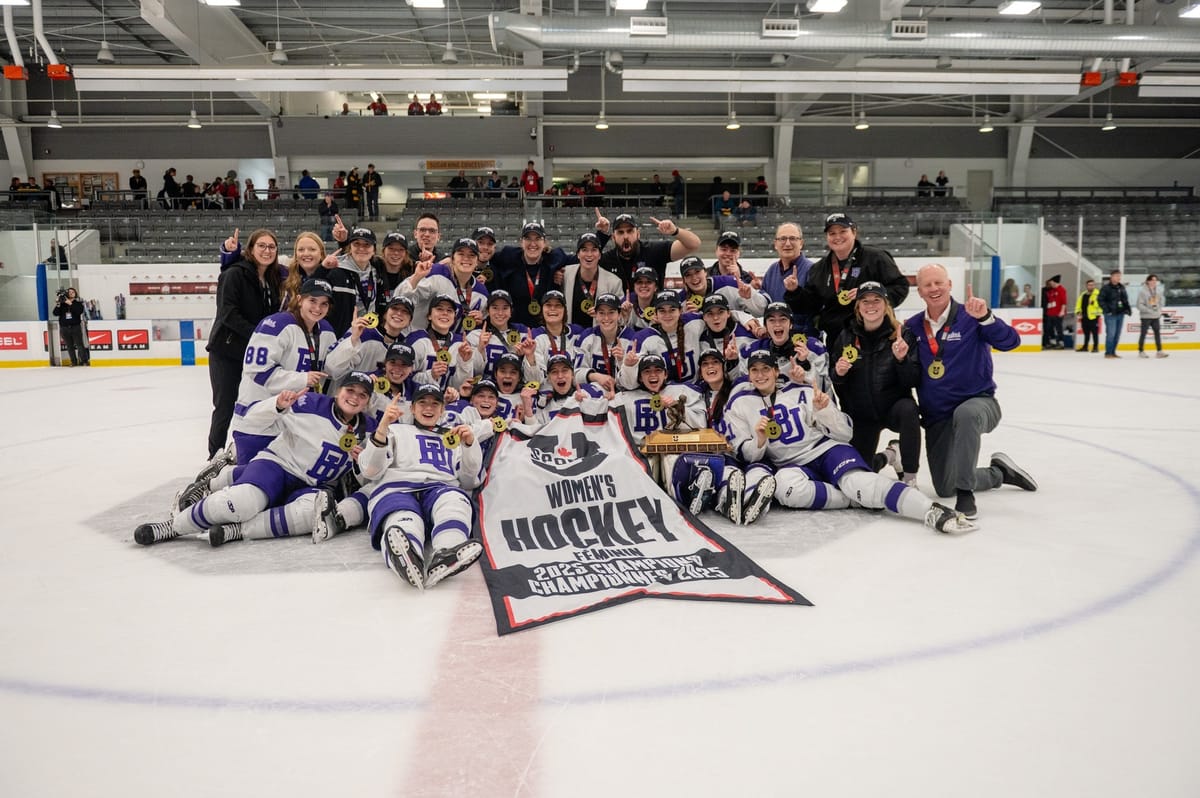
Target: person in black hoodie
[
  {"x": 71, "y": 313},
  {"x": 247, "y": 291},
  {"x": 875, "y": 373},
  {"x": 830, "y": 290}
]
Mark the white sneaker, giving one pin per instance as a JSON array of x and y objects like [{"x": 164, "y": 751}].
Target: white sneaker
[
  {"x": 1143, "y": 354},
  {"x": 1162, "y": 354}
]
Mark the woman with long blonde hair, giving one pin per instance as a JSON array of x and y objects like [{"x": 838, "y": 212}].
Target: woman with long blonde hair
[{"x": 307, "y": 253}]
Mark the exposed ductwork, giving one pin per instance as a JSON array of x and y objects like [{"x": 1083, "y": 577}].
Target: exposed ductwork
[
  {"x": 743, "y": 34},
  {"x": 13, "y": 46},
  {"x": 39, "y": 33}
]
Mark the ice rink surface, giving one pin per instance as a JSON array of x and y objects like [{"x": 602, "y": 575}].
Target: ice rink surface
[{"x": 1053, "y": 653}]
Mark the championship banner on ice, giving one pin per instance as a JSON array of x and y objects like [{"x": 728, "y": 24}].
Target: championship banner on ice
[{"x": 574, "y": 522}]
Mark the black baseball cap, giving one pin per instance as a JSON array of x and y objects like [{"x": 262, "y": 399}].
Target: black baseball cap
[
  {"x": 558, "y": 358},
  {"x": 438, "y": 299},
  {"x": 714, "y": 301},
  {"x": 554, "y": 296},
  {"x": 651, "y": 361},
  {"x": 533, "y": 229},
  {"x": 395, "y": 237},
  {"x": 871, "y": 287},
  {"x": 665, "y": 299},
  {"x": 730, "y": 238},
  {"x": 359, "y": 378},
  {"x": 428, "y": 391},
  {"x": 500, "y": 295},
  {"x": 839, "y": 219},
  {"x": 762, "y": 356},
  {"x": 645, "y": 273},
  {"x": 400, "y": 302},
  {"x": 507, "y": 359},
  {"x": 609, "y": 300},
  {"x": 317, "y": 287},
  {"x": 713, "y": 353},
  {"x": 484, "y": 232},
  {"x": 624, "y": 218},
  {"x": 402, "y": 352},
  {"x": 361, "y": 234},
  {"x": 778, "y": 309},
  {"x": 587, "y": 238},
  {"x": 690, "y": 263},
  {"x": 485, "y": 384},
  {"x": 465, "y": 243}
]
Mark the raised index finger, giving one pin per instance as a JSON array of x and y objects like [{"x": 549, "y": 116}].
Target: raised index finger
[
  {"x": 970, "y": 295},
  {"x": 656, "y": 221},
  {"x": 235, "y": 234}
]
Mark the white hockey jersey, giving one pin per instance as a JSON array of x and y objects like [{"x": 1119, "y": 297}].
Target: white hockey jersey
[
  {"x": 416, "y": 458},
  {"x": 308, "y": 437},
  {"x": 426, "y": 347},
  {"x": 278, "y": 358},
  {"x": 804, "y": 433},
  {"x": 366, "y": 355},
  {"x": 440, "y": 280},
  {"x": 594, "y": 354},
  {"x": 643, "y": 419}
]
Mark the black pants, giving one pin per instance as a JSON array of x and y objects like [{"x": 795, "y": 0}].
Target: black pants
[
  {"x": 225, "y": 374},
  {"x": 373, "y": 204},
  {"x": 1052, "y": 331},
  {"x": 1091, "y": 329},
  {"x": 76, "y": 342},
  {"x": 1151, "y": 324},
  {"x": 904, "y": 418}
]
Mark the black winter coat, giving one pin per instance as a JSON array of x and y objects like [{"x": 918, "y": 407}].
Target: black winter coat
[
  {"x": 242, "y": 302},
  {"x": 817, "y": 298},
  {"x": 875, "y": 381}
]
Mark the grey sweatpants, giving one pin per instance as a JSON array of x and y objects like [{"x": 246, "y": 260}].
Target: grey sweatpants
[{"x": 952, "y": 448}]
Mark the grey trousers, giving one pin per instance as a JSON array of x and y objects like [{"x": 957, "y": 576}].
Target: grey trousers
[{"x": 952, "y": 448}]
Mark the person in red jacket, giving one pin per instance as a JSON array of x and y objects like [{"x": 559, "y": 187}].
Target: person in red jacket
[
  {"x": 1053, "y": 308},
  {"x": 531, "y": 180}
]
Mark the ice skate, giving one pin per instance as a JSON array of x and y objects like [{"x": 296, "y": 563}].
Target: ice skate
[
  {"x": 153, "y": 532},
  {"x": 192, "y": 494},
  {"x": 758, "y": 500},
  {"x": 226, "y": 456},
  {"x": 402, "y": 557},
  {"x": 328, "y": 522},
  {"x": 1012, "y": 473},
  {"x": 221, "y": 534},
  {"x": 445, "y": 563},
  {"x": 735, "y": 488},
  {"x": 942, "y": 519},
  {"x": 701, "y": 489}
]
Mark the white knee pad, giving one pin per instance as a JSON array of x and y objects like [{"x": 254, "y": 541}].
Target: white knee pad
[
  {"x": 294, "y": 518},
  {"x": 451, "y": 518},
  {"x": 882, "y": 493},
  {"x": 235, "y": 503},
  {"x": 793, "y": 488}
]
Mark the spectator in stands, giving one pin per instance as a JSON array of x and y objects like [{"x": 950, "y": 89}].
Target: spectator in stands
[
  {"x": 378, "y": 107},
  {"x": 1114, "y": 301},
  {"x": 170, "y": 190},
  {"x": 478, "y": 187},
  {"x": 942, "y": 181},
  {"x": 415, "y": 108},
  {"x": 328, "y": 211},
  {"x": 1150, "y": 301},
  {"x": 531, "y": 181},
  {"x": 427, "y": 232},
  {"x": 233, "y": 193},
  {"x": 272, "y": 189},
  {"x": 575, "y": 192},
  {"x": 1054, "y": 307},
  {"x": 596, "y": 188},
  {"x": 828, "y": 294},
  {"x": 247, "y": 291},
  {"x": 746, "y": 212},
  {"x": 1027, "y": 300},
  {"x": 724, "y": 206},
  {"x": 354, "y": 193},
  {"x": 190, "y": 192},
  {"x": 308, "y": 186},
  {"x": 433, "y": 107},
  {"x": 1087, "y": 313},
  {"x": 677, "y": 193},
  {"x": 923, "y": 186},
  {"x": 339, "y": 184},
  {"x": 513, "y": 189},
  {"x": 137, "y": 184},
  {"x": 345, "y": 109},
  {"x": 248, "y": 195},
  {"x": 1009, "y": 294},
  {"x": 759, "y": 191},
  {"x": 459, "y": 185},
  {"x": 715, "y": 189},
  {"x": 15, "y": 183},
  {"x": 371, "y": 182},
  {"x": 495, "y": 184},
  {"x": 631, "y": 252},
  {"x": 214, "y": 194},
  {"x": 791, "y": 270}
]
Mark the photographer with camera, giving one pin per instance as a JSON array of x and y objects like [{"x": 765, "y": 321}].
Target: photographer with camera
[{"x": 70, "y": 312}]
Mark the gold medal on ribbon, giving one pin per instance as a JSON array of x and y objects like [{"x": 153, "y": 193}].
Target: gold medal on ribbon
[
  {"x": 370, "y": 320},
  {"x": 443, "y": 356},
  {"x": 799, "y": 339},
  {"x": 937, "y": 370},
  {"x": 587, "y": 305},
  {"x": 451, "y": 439},
  {"x": 499, "y": 424},
  {"x": 648, "y": 314},
  {"x": 533, "y": 385},
  {"x": 696, "y": 301},
  {"x": 487, "y": 275},
  {"x": 535, "y": 308},
  {"x": 348, "y": 442},
  {"x": 468, "y": 323},
  {"x": 774, "y": 430},
  {"x": 382, "y": 384},
  {"x": 844, "y": 296},
  {"x": 513, "y": 337},
  {"x": 656, "y": 402},
  {"x": 850, "y": 353}
]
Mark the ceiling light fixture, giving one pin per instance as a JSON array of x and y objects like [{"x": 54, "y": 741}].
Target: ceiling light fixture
[
  {"x": 279, "y": 56},
  {"x": 779, "y": 60},
  {"x": 449, "y": 56},
  {"x": 53, "y": 120},
  {"x": 427, "y": 3},
  {"x": 14, "y": 2},
  {"x": 986, "y": 127},
  {"x": 601, "y": 121},
  {"x": 1191, "y": 12},
  {"x": 826, "y": 6},
  {"x": 104, "y": 56},
  {"x": 733, "y": 123},
  {"x": 1109, "y": 124},
  {"x": 862, "y": 123},
  {"x": 629, "y": 5},
  {"x": 194, "y": 121},
  {"x": 1018, "y": 8},
  {"x": 222, "y": 3}
]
